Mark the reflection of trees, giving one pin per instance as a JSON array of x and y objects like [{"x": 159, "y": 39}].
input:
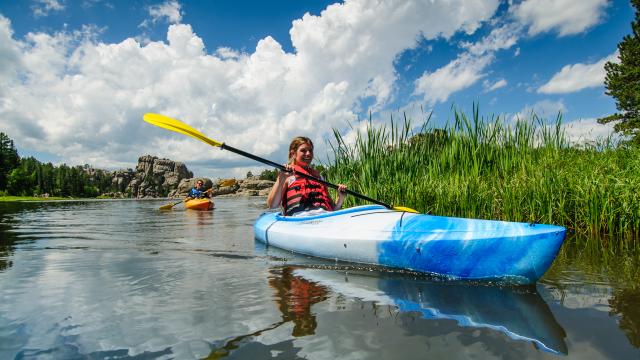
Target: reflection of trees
[
  {"x": 295, "y": 296},
  {"x": 7, "y": 238},
  {"x": 625, "y": 302},
  {"x": 621, "y": 274},
  {"x": 6, "y": 248}
]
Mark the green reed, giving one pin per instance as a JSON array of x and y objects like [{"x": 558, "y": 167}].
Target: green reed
[{"x": 494, "y": 169}]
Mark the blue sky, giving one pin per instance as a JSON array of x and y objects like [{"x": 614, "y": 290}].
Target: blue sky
[{"x": 77, "y": 76}]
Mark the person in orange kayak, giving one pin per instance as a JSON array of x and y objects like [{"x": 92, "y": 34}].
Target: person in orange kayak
[
  {"x": 298, "y": 195},
  {"x": 197, "y": 192}
]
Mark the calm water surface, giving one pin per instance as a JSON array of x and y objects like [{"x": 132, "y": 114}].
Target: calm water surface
[{"x": 120, "y": 279}]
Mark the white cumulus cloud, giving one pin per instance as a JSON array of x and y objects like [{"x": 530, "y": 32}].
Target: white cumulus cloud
[
  {"x": 544, "y": 109},
  {"x": 83, "y": 100},
  {"x": 488, "y": 86},
  {"x": 42, "y": 8},
  {"x": 576, "y": 77},
  {"x": 566, "y": 17},
  {"x": 468, "y": 67},
  {"x": 169, "y": 10},
  {"x": 455, "y": 76},
  {"x": 588, "y": 131}
]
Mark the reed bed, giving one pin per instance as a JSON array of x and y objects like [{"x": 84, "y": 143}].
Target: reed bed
[{"x": 490, "y": 168}]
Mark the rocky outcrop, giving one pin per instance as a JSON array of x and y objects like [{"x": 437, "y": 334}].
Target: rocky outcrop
[
  {"x": 153, "y": 177},
  {"x": 157, "y": 177},
  {"x": 186, "y": 184},
  {"x": 121, "y": 179},
  {"x": 226, "y": 187},
  {"x": 254, "y": 187}
]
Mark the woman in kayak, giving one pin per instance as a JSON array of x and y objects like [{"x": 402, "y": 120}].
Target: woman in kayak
[
  {"x": 197, "y": 192},
  {"x": 298, "y": 195}
]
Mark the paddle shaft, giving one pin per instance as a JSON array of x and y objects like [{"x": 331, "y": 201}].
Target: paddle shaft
[
  {"x": 178, "y": 126},
  {"x": 311, "y": 177}
]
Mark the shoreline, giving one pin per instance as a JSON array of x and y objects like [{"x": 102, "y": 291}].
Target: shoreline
[{"x": 43, "y": 199}]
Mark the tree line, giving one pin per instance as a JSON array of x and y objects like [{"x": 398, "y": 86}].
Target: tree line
[{"x": 30, "y": 177}]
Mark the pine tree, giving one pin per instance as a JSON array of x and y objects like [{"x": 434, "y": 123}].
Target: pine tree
[
  {"x": 9, "y": 159},
  {"x": 623, "y": 83}
]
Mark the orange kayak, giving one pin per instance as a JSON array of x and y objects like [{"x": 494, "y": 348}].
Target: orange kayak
[{"x": 199, "y": 204}]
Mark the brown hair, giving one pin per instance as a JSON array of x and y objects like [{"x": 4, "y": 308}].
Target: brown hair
[{"x": 295, "y": 144}]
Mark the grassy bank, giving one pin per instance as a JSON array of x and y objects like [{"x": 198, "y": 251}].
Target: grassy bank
[
  {"x": 486, "y": 168},
  {"x": 29, "y": 198}
]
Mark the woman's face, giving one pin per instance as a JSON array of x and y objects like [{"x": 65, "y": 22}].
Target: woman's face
[{"x": 304, "y": 154}]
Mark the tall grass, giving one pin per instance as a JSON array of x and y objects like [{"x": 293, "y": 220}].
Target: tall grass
[{"x": 494, "y": 169}]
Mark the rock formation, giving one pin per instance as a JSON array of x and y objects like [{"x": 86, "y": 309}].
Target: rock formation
[{"x": 154, "y": 177}]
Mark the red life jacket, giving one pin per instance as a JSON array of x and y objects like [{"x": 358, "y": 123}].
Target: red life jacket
[{"x": 305, "y": 194}]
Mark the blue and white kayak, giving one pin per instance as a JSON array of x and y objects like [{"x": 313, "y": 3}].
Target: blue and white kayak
[{"x": 457, "y": 248}]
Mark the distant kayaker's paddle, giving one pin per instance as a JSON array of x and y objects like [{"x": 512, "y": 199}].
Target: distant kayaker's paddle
[
  {"x": 170, "y": 206},
  {"x": 178, "y": 126}
]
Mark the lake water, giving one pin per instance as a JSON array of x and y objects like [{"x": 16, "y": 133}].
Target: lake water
[{"x": 121, "y": 279}]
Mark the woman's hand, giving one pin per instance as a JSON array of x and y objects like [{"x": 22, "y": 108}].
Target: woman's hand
[
  {"x": 342, "y": 188},
  {"x": 288, "y": 170}
]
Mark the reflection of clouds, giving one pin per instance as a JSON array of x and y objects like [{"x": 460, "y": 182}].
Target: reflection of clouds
[
  {"x": 117, "y": 279},
  {"x": 139, "y": 302},
  {"x": 143, "y": 292},
  {"x": 583, "y": 296}
]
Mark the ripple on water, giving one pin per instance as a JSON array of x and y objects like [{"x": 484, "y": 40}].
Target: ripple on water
[{"x": 119, "y": 279}]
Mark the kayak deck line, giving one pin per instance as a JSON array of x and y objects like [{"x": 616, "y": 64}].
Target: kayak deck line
[{"x": 357, "y": 209}]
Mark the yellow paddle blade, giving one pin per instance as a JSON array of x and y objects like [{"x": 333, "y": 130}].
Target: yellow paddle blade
[
  {"x": 405, "y": 209},
  {"x": 178, "y": 126},
  {"x": 169, "y": 206}
]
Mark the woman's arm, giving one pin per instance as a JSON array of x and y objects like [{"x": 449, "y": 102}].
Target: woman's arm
[{"x": 275, "y": 195}]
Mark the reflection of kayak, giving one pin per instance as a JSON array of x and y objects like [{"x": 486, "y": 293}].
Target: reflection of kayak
[
  {"x": 454, "y": 247},
  {"x": 519, "y": 313},
  {"x": 199, "y": 204}
]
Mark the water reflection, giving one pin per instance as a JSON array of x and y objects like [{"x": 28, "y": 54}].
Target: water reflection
[
  {"x": 9, "y": 211},
  {"x": 199, "y": 218},
  {"x": 624, "y": 302},
  {"x": 6, "y": 244},
  {"x": 121, "y": 279},
  {"x": 518, "y": 312},
  {"x": 294, "y": 297}
]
